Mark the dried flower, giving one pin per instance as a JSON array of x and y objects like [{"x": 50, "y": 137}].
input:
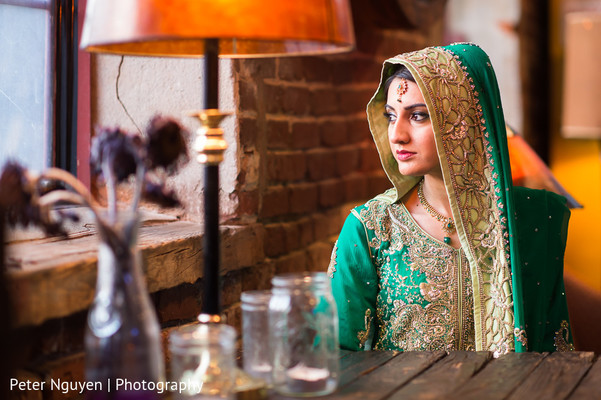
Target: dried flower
[
  {"x": 166, "y": 144},
  {"x": 114, "y": 155},
  {"x": 18, "y": 198},
  {"x": 113, "y": 151},
  {"x": 158, "y": 194}
]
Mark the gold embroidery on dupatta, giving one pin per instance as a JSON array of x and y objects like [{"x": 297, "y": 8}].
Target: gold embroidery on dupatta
[
  {"x": 520, "y": 336},
  {"x": 562, "y": 338},
  {"x": 333, "y": 261},
  {"x": 424, "y": 302},
  {"x": 469, "y": 160},
  {"x": 364, "y": 335}
]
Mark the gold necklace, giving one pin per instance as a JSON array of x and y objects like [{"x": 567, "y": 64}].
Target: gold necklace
[{"x": 448, "y": 225}]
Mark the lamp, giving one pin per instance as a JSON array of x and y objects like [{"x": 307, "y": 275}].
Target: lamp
[
  {"x": 581, "y": 116},
  {"x": 213, "y": 28}
]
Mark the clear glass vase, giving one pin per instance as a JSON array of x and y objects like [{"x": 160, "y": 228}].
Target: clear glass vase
[{"x": 124, "y": 357}]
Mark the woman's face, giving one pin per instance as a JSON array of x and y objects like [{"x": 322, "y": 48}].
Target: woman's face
[{"x": 410, "y": 131}]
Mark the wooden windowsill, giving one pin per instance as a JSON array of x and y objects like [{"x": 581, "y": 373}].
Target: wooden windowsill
[{"x": 53, "y": 279}]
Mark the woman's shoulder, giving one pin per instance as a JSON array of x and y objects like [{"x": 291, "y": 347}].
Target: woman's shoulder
[{"x": 375, "y": 207}]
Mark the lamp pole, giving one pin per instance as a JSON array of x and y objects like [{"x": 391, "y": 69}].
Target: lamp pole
[{"x": 210, "y": 145}]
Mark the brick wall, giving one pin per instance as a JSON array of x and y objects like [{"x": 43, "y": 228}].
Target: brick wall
[{"x": 306, "y": 157}]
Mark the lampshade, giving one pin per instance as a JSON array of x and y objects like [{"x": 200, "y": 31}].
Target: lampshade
[
  {"x": 245, "y": 28},
  {"x": 581, "y": 116}
]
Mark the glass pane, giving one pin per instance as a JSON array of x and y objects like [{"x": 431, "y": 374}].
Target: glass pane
[{"x": 25, "y": 86}]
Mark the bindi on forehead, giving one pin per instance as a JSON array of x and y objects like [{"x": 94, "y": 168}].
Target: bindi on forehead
[{"x": 402, "y": 89}]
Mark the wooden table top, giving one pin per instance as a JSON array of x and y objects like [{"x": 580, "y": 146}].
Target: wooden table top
[{"x": 464, "y": 375}]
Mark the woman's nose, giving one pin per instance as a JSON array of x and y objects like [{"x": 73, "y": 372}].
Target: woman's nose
[{"x": 399, "y": 132}]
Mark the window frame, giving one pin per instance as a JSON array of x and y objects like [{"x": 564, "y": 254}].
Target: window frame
[{"x": 68, "y": 124}]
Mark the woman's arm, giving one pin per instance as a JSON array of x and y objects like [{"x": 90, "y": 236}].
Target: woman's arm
[{"x": 355, "y": 286}]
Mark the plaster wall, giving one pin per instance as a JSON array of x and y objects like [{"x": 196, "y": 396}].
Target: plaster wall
[{"x": 128, "y": 91}]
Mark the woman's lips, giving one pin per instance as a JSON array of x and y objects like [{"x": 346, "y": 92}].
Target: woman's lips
[{"x": 404, "y": 155}]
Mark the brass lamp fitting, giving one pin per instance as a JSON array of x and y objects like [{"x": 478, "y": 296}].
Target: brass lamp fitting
[{"x": 210, "y": 143}]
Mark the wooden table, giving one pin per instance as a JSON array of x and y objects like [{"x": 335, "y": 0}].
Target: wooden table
[{"x": 375, "y": 375}]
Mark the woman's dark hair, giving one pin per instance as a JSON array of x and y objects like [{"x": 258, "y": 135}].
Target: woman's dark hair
[{"x": 399, "y": 71}]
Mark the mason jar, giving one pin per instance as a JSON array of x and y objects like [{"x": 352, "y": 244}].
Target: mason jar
[
  {"x": 203, "y": 362},
  {"x": 304, "y": 335},
  {"x": 256, "y": 349}
]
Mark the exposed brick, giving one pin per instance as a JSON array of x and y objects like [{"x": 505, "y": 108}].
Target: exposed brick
[
  {"x": 378, "y": 183},
  {"x": 327, "y": 224},
  {"x": 303, "y": 198},
  {"x": 321, "y": 164},
  {"x": 316, "y": 69},
  {"x": 342, "y": 70},
  {"x": 278, "y": 134},
  {"x": 354, "y": 99},
  {"x": 247, "y": 91},
  {"x": 286, "y": 166},
  {"x": 318, "y": 256},
  {"x": 55, "y": 336},
  {"x": 178, "y": 303},
  {"x": 358, "y": 129},
  {"x": 248, "y": 202},
  {"x": 370, "y": 159},
  {"x": 295, "y": 100},
  {"x": 242, "y": 246},
  {"x": 364, "y": 70},
  {"x": 305, "y": 135},
  {"x": 275, "y": 241},
  {"x": 355, "y": 187},
  {"x": 292, "y": 262},
  {"x": 272, "y": 94},
  {"x": 310, "y": 69},
  {"x": 231, "y": 287},
  {"x": 291, "y": 236},
  {"x": 333, "y": 133},
  {"x": 275, "y": 202},
  {"x": 305, "y": 229},
  {"x": 347, "y": 160},
  {"x": 247, "y": 126},
  {"x": 255, "y": 68},
  {"x": 248, "y": 174},
  {"x": 324, "y": 101},
  {"x": 290, "y": 69},
  {"x": 259, "y": 276},
  {"x": 331, "y": 193}
]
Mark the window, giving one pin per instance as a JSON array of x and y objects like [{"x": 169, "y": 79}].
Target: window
[{"x": 38, "y": 83}]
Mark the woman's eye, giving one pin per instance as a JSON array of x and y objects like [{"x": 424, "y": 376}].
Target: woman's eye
[
  {"x": 390, "y": 117},
  {"x": 419, "y": 116}
]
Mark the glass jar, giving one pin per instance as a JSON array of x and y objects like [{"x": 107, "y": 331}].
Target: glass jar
[
  {"x": 304, "y": 335},
  {"x": 203, "y": 361},
  {"x": 123, "y": 336},
  {"x": 256, "y": 350}
]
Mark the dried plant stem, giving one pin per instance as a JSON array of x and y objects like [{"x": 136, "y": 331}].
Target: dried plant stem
[
  {"x": 111, "y": 189},
  {"x": 69, "y": 179},
  {"x": 140, "y": 173}
]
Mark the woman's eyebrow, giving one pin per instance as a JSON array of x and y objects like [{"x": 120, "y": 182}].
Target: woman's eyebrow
[{"x": 416, "y": 105}]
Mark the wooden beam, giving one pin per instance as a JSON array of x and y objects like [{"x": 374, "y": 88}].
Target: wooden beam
[{"x": 53, "y": 279}]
